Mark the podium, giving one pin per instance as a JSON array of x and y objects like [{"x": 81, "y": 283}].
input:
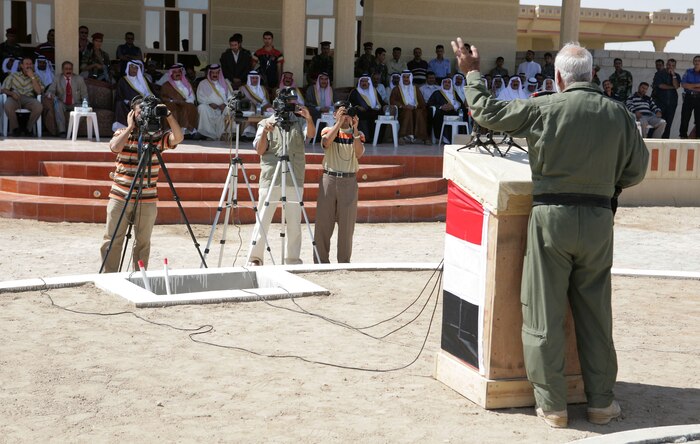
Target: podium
[{"x": 481, "y": 357}]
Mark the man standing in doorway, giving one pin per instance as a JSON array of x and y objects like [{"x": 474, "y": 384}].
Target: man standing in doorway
[{"x": 269, "y": 61}]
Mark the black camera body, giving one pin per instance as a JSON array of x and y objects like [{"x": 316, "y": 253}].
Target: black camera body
[
  {"x": 285, "y": 105},
  {"x": 238, "y": 103},
  {"x": 152, "y": 110},
  {"x": 352, "y": 112}
]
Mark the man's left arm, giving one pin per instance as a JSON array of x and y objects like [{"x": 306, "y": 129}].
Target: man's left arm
[
  {"x": 310, "y": 130},
  {"x": 175, "y": 136},
  {"x": 637, "y": 160},
  {"x": 358, "y": 138}
]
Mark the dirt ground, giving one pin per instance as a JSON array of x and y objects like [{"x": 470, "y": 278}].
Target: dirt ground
[{"x": 66, "y": 376}]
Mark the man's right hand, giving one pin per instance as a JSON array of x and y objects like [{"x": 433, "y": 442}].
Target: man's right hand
[
  {"x": 467, "y": 56},
  {"x": 130, "y": 120}
]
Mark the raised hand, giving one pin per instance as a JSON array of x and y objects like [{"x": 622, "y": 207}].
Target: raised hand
[{"x": 467, "y": 56}]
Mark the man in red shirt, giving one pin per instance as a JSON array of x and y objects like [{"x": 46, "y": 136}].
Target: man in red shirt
[{"x": 269, "y": 61}]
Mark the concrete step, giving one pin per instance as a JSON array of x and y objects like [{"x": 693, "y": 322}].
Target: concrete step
[
  {"x": 68, "y": 209},
  {"x": 55, "y": 186},
  {"x": 205, "y": 172}
]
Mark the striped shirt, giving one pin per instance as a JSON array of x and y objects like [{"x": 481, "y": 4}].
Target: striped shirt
[
  {"x": 21, "y": 84},
  {"x": 126, "y": 165},
  {"x": 642, "y": 104},
  {"x": 340, "y": 156}
]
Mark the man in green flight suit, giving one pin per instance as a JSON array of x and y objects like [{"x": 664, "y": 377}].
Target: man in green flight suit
[{"x": 582, "y": 147}]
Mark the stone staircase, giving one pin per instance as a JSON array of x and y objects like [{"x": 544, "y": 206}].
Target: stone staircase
[{"x": 73, "y": 186}]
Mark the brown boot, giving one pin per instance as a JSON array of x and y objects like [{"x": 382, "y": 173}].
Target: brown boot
[
  {"x": 558, "y": 419},
  {"x": 604, "y": 415}
]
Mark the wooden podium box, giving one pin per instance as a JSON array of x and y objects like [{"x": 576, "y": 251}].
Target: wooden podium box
[{"x": 481, "y": 356}]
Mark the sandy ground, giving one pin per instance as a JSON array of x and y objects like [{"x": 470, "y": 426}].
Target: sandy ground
[{"x": 85, "y": 377}]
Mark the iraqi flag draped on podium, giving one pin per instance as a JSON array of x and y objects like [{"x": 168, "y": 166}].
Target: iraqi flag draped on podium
[{"x": 464, "y": 278}]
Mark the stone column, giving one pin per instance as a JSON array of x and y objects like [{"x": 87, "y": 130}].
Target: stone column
[
  {"x": 66, "y": 16},
  {"x": 294, "y": 37},
  {"x": 570, "y": 15},
  {"x": 344, "y": 55}
]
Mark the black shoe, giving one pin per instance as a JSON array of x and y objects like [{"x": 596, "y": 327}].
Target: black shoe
[{"x": 16, "y": 132}]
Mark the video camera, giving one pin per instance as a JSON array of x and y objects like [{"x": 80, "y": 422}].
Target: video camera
[
  {"x": 151, "y": 112},
  {"x": 285, "y": 104},
  {"x": 350, "y": 110},
  {"x": 238, "y": 103}
]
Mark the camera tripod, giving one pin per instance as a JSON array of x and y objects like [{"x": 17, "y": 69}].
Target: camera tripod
[
  {"x": 478, "y": 142},
  {"x": 145, "y": 154},
  {"x": 230, "y": 194},
  {"x": 285, "y": 167}
]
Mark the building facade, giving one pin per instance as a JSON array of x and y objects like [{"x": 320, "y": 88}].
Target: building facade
[{"x": 202, "y": 27}]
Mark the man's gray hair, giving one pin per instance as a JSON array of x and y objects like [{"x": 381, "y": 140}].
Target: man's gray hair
[{"x": 574, "y": 63}]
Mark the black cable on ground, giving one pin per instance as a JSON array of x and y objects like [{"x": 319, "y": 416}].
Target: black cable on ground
[{"x": 208, "y": 328}]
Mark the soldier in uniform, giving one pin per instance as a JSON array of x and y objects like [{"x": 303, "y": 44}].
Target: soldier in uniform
[
  {"x": 621, "y": 81},
  {"x": 576, "y": 176}
]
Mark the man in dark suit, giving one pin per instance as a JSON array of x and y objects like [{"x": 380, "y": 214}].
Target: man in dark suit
[{"x": 236, "y": 62}]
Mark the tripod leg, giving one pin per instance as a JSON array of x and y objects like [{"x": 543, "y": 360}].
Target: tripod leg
[
  {"x": 264, "y": 207},
  {"x": 283, "y": 200},
  {"x": 218, "y": 212},
  {"x": 179, "y": 205},
  {"x": 231, "y": 202},
  {"x": 300, "y": 199},
  {"x": 144, "y": 159},
  {"x": 258, "y": 223}
]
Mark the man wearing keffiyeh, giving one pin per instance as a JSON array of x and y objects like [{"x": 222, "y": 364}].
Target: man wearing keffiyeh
[
  {"x": 367, "y": 103},
  {"x": 213, "y": 93},
  {"x": 413, "y": 123},
  {"x": 177, "y": 94}
]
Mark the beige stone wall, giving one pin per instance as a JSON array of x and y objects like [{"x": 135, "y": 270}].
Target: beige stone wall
[
  {"x": 490, "y": 25},
  {"x": 113, "y": 18}
]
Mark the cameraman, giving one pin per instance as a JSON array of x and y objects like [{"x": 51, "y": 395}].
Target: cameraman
[
  {"x": 268, "y": 144},
  {"x": 142, "y": 211},
  {"x": 343, "y": 145}
]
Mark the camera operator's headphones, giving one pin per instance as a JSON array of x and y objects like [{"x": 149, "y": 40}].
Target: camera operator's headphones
[
  {"x": 135, "y": 101},
  {"x": 341, "y": 103}
]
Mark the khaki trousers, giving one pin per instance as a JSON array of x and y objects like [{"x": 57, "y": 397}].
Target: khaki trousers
[
  {"x": 143, "y": 218},
  {"x": 337, "y": 202},
  {"x": 567, "y": 262},
  {"x": 293, "y": 216},
  {"x": 26, "y": 102}
]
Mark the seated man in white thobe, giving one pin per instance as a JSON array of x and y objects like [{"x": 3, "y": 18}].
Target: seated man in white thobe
[
  {"x": 213, "y": 93},
  {"x": 259, "y": 100}
]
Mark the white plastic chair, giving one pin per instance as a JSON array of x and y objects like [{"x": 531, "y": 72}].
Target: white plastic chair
[
  {"x": 5, "y": 120},
  {"x": 433, "y": 110},
  {"x": 74, "y": 122},
  {"x": 326, "y": 118},
  {"x": 387, "y": 120},
  {"x": 454, "y": 125}
]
